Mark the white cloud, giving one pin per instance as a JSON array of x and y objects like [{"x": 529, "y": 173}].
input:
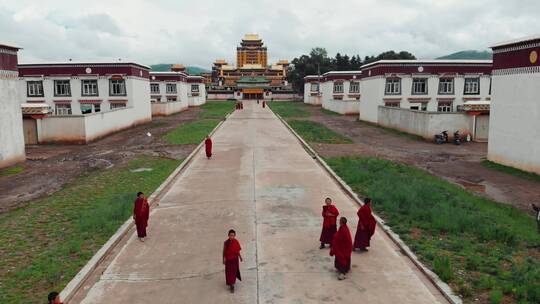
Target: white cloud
[{"x": 198, "y": 32}]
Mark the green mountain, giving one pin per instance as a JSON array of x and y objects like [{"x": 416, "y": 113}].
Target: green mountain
[
  {"x": 192, "y": 70},
  {"x": 470, "y": 54}
]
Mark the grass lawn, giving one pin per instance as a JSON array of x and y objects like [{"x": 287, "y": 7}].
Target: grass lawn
[
  {"x": 510, "y": 170},
  {"x": 312, "y": 131},
  {"x": 289, "y": 109},
  {"x": 216, "y": 109},
  {"x": 483, "y": 249},
  {"x": 194, "y": 132},
  {"x": 11, "y": 170},
  {"x": 47, "y": 242}
]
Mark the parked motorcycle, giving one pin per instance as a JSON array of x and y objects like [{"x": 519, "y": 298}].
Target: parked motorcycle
[
  {"x": 441, "y": 138},
  {"x": 457, "y": 138}
]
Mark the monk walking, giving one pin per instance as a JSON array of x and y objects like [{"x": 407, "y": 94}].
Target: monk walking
[
  {"x": 231, "y": 257},
  {"x": 264, "y": 104},
  {"x": 141, "y": 212},
  {"x": 366, "y": 226},
  {"x": 329, "y": 214},
  {"x": 208, "y": 146},
  {"x": 342, "y": 248}
]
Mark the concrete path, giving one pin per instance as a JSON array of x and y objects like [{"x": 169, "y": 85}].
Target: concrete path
[{"x": 262, "y": 183}]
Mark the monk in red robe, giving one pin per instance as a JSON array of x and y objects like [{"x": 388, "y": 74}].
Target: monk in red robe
[
  {"x": 264, "y": 104},
  {"x": 231, "y": 257},
  {"x": 141, "y": 212},
  {"x": 342, "y": 248},
  {"x": 366, "y": 226},
  {"x": 329, "y": 214},
  {"x": 208, "y": 146}
]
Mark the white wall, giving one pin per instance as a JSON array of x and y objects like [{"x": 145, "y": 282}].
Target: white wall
[
  {"x": 11, "y": 129},
  {"x": 425, "y": 124},
  {"x": 344, "y": 107},
  {"x": 514, "y": 134},
  {"x": 164, "y": 107},
  {"x": 195, "y": 101},
  {"x": 372, "y": 90},
  {"x": 309, "y": 96},
  {"x": 168, "y": 108}
]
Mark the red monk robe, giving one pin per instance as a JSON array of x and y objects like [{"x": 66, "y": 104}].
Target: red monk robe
[
  {"x": 208, "y": 147},
  {"x": 141, "y": 213},
  {"x": 366, "y": 227},
  {"x": 330, "y": 214},
  {"x": 231, "y": 254},
  {"x": 264, "y": 104},
  {"x": 342, "y": 248}
]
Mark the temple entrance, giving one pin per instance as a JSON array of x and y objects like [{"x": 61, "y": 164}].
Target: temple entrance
[{"x": 252, "y": 93}]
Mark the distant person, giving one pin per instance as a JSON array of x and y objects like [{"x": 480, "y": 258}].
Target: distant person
[
  {"x": 257, "y": 101},
  {"x": 53, "y": 298},
  {"x": 231, "y": 257},
  {"x": 342, "y": 248},
  {"x": 264, "y": 104},
  {"x": 329, "y": 214},
  {"x": 241, "y": 105},
  {"x": 537, "y": 209},
  {"x": 366, "y": 226},
  {"x": 141, "y": 212},
  {"x": 208, "y": 146}
]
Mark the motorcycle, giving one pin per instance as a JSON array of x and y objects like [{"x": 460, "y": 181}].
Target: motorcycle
[
  {"x": 441, "y": 138},
  {"x": 457, "y": 138}
]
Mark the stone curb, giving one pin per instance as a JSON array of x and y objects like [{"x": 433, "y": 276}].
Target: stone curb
[
  {"x": 73, "y": 286},
  {"x": 433, "y": 278}
]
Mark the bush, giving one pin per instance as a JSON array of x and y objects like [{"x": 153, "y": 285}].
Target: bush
[
  {"x": 495, "y": 296},
  {"x": 443, "y": 268}
]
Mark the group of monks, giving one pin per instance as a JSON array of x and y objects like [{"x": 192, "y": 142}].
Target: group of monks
[{"x": 340, "y": 240}]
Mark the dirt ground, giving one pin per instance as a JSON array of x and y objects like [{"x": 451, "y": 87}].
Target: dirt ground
[
  {"x": 459, "y": 164},
  {"x": 48, "y": 167}
]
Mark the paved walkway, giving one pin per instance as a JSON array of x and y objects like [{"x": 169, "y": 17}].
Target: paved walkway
[{"x": 263, "y": 184}]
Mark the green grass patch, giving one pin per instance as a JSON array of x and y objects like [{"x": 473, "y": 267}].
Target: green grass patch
[
  {"x": 328, "y": 112},
  {"x": 316, "y": 132},
  {"x": 393, "y": 131},
  {"x": 191, "y": 132},
  {"x": 289, "y": 109},
  {"x": 510, "y": 170},
  {"x": 47, "y": 242},
  {"x": 478, "y": 246},
  {"x": 216, "y": 109},
  {"x": 11, "y": 170}
]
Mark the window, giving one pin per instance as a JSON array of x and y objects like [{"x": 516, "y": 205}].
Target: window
[
  {"x": 392, "y": 104},
  {"x": 419, "y": 86},
  {"x": 194, "y": 88},
  {"x": 170, "y": 88},
  {"x": 314, "y": 87},
  {"x": 117, "y": 87},
  {"x": 35, "y": 88},
  {"x": 171, "y": 98},
  {"x": 472, "y": 86},
  {"x": 338, "y": 87},
  {"x": 154, "y": 88},
  {"x": 393, "y": 86},
  {"x": 354, "y": 87},
  {"x": 62, "y": 109},
  {"x": 444, "y": 107},
  {"x": 89, "y": 88},
  {"x": 88, "y": 108},
  {"x": 62, "y": 88},
  {"x": 419, "y": 107},
  {"x": 446, "y": 86},
  {"x": 117, "y": 105}
]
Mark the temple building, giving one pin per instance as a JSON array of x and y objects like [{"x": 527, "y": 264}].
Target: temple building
[{"x": 252, "y": 77}]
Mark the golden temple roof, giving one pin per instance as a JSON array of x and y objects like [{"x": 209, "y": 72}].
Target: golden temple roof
[{"x": 251, "y": 37}]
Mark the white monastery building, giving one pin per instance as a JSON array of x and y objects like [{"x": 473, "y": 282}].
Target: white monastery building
[
  {"x": 515, "y": 109},
  {"x": 168, "y": 92},
  {"x": 11, "y": 129},
  {"x": 82, "y": 101},
  {"x": 337, "y": 91},
  {"x": 196, "y": 91}
]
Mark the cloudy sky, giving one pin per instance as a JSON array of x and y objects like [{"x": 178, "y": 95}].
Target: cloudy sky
[{"x": 198, "y": 31}]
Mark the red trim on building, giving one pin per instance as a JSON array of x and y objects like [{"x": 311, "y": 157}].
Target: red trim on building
[
  {"x": 445, "y": 99},
  {"x": 515, "y": 59},
  {"x": 428, "y": 69},
  {"x": 63, "y": 101},
  {"x": 35, "y": 101},
  {"x": 90, "y": 101},
  {"x": 392, "y": 99},
  {"x": 420, "y": 100},
  {"x": 8, "y": 62},
  {"x": 471, "y": 98},
  {"x": 118, "y": 100},
  {"x": 79, "y": 69},
  {"x": 167, "y": 77}
]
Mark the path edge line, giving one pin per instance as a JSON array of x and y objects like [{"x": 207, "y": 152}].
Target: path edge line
[
  {"x": 432, "y": 277},
  {"x": 78, "y": 280}
]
